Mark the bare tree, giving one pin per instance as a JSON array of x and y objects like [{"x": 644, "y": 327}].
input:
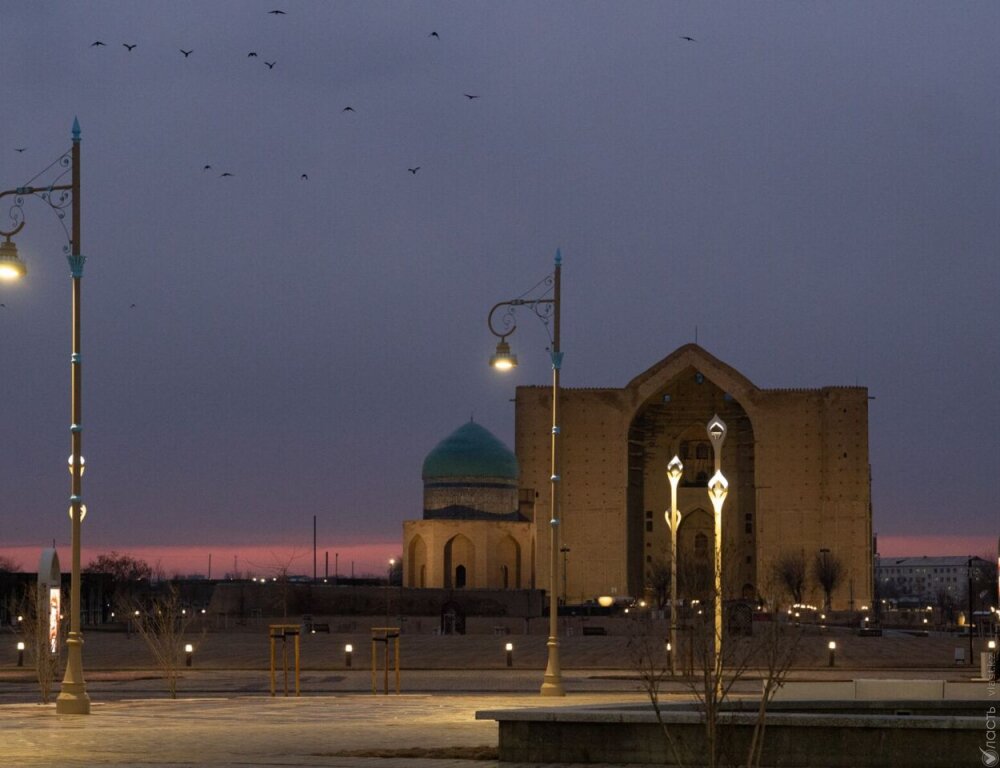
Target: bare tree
[
  {"x": 789, "y": 571},
  {"x": 125, "y": 571},
  {"x": 280, "y": 568},
  {"x": 9, "y": 565},
  {"x": 645, "y": 653},
  {"x": 32, "y": 611},
  {"x": 163, "y": 623},
  {"x": 659, "y": 581},
  {"x": 828, "y": 571}
]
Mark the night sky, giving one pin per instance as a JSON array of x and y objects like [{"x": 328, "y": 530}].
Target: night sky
[{"x": 811, "y": 186}]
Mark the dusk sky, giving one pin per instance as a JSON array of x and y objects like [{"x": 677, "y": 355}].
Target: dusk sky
[{"x": 815, "y": 187}]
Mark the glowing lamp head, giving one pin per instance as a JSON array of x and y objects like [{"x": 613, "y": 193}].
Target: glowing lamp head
[
  {"x": 83, "y": 512},
  {"x": 189, "y": 648},
  {"x": 20, "y": 646},
  {"x": 348, "y": 648},
  {"x": 11, "y": 266},
  {"x": 718, "y": 487},
  {"x": 992, "y": 645},
  {"x": 509, "y": 647},
  {"x": 83, "y": 465},
  {"x": 674, "y": 470},
  {"x": 605, "y": 601},
  {"x": 832, "y": 645},
  {"x": 503, "y": 359},
  {"x": 716, "y": 430}
]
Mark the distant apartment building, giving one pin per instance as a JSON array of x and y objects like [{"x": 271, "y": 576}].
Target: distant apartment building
[{"x": 933, "y": 581}]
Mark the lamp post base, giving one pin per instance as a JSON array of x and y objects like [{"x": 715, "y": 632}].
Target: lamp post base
[
  {"x": 552, "y": 684},
  {"x": 73, "y": 698}
]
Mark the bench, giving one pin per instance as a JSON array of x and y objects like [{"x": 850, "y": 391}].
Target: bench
[{"x": 594, "y": 631}]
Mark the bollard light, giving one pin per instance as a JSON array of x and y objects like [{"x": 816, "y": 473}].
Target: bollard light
[
  {"x": 832, "y": 645},
  {"x": 20, "y": 654},
  {"x": 509, "y": 648},
  {"x": 348, "y": 650},
  {"x": 188, "y": 654},
  {"x": 992, "y": 645}
]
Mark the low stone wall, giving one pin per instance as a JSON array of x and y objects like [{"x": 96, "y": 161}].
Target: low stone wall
[
  {"x": 827, "y": 735},
  {"x": 268, "y": 599}
]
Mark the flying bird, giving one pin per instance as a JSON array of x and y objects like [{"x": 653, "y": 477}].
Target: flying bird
[
  {"x": 207, "y": 168},
  {"x": 96, "y": 43},
  {"x": 252, "y": 54},
  {"x": 270, "y": 64},
  {"x": 414, "y": 170},
  {"x": 689, "y": 39},
  {"x": 471, "y": 96},
  {"x": 130, "y": 47},
  {"x": 223, "y": 175},
  {"x": 304, "y": 177},
  {"x": 275, "y": 13},
  {"x": 131, "y": 306},
  {"x": 187, "y": 53},
  {"x": 347, "y": 109},
  {"x": 19, "y": 149},
  {"x": 434, "y": 34}
]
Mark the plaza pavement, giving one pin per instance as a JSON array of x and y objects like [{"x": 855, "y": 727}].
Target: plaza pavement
[{"x": 226, "y": 718}]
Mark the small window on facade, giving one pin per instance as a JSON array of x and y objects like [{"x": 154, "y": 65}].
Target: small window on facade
[
  {"x": 649, "y": 514},
  {"x": 748, "y": 522},
  {"x": 701, "y": 452},
  {"x": 649, "y": 526}
]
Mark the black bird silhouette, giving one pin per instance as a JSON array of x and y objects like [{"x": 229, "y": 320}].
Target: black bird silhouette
[
  {"x": 131, "y": 306},
  {"x": 689, "y": 39},
  {"x": 207, "y": 168},
  {"x": 304, "y": 177},
  {"x": 223, "y": 175},
  {"x": 252, "y": 54},
  {"x": 471, "y": 96},
  {"x": 19, "y": 149},
  {"x": 130, "y": 47},
  {"x": 96, "y": 42},
  {"x": 434, "y": 34},
  {"x": 276, "y": 13},
  {"x": 187, "y": 53},
  {"x": 347, "y": 109},
  {"x": 414, "y": 170},
  {"x": 270, "y": 64}
]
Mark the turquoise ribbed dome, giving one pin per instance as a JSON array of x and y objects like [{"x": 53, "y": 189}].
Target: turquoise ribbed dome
[{"x": 470, "y": 451}]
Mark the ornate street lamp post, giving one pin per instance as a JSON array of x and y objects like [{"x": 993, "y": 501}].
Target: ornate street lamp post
[
  {"x": 718, "y": 488},
  {"x": 73, "y": 698},
  {"x": 674, "y": 471},
  {"x": 545, "y": 308}
]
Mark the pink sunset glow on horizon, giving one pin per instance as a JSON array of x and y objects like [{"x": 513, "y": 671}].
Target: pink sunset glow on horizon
[
  {"x": 932, "y": 546},
  {"x": 372, "y": 559},
  {"x": 251, "y": 560}
]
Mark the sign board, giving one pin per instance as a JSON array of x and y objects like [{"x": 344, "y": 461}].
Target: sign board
[{"x": 50, "y": 595}]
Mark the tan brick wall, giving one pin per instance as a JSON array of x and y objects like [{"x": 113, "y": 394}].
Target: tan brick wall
[{"x": 797, "y": 462}]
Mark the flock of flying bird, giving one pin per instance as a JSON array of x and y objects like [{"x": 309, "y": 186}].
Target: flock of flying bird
[{"x": 270, "y": 65}]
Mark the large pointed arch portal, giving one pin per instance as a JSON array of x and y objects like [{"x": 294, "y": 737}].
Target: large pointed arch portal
[{"x": 675, "y": 400}]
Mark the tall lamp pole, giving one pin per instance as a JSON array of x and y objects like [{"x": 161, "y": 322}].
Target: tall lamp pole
[
  {"x": 674, "y": 471},
  {"x": 545, "y": 308},
  {"x": 73, "y": 698},
  {"x": 718, "y": 488}
]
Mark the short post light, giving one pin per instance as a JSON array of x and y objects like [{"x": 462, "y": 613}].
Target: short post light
[
  {"x": 675, "y": 469},
  {"x": 718, "y": 488},
  {"x": 348, "y": 653},
  {"x": 509, "y": 648},
  {"x": 670, "y": 655},
  {"x": 832, "y": 645},
  {"x": 188, "y": 654},
  {"x": 20, "y": 654}
]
